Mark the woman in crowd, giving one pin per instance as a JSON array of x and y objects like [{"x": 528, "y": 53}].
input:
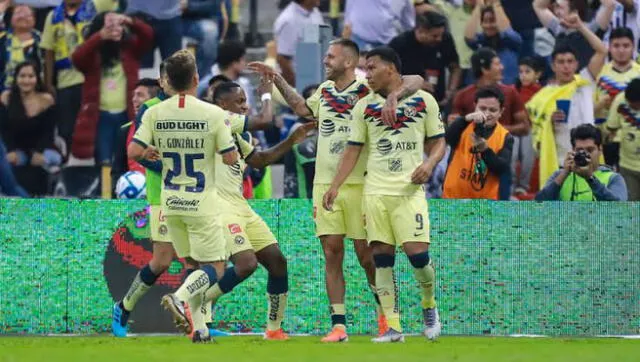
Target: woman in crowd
[
  {"x": 27, "y": 125},
  {"x": 20, "y": 43}
]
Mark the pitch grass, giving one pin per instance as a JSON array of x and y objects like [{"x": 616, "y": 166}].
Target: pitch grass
[{"x": 309, "y": 349}]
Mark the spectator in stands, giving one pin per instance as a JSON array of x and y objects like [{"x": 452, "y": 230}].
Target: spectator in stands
[
  {"x": 625, "y": 15},
  {"x": 487, "y": 69},
  {"x": 428, "y": 51},
  {"x": 199, "y": 23},
  {"x": 373, "y": 23},
  {"x": 27, "y": 126},
  {"x": 561, "y": 106},
  {"x": 613, "y": 80},
  {"x": 164, "y": 16},
  {"x": 19, "y": 44},
  {"x": 528, "y": 85},
  {"x": 8, "y": 184},
  {"x": 458, "y": 17},
  {"x": 146, "y": 89},
  {"x": 480, "y": 160},
  {"x": 525, "y": 22},
  {"x": 624, "y": 124},
  {"x": 231, "y": 63},
  {"x": 496, "y": 34},
  {"x": 556, "y": 22},
  {"x": 63, "y": 32},
  {"x": 288, "y": 29},
  {"x": 582, "y": 178},
  {"x": 110, "y": 61},
  {"x": 40, "y": 9}
]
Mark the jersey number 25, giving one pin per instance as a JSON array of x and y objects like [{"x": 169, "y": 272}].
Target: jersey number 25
[{"x": 189, "y": 171}]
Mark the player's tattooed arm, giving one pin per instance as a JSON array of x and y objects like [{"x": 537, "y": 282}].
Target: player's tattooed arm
[
  {"x": 261, "y": 159},
  {"x": 410, "y": 85},
  {"x": 290, "y": 95}
]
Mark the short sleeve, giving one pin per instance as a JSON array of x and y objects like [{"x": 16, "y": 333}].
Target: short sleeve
[
  {"x": 244, "y": 145},
  {"x": 286, "y": 39},
  {"x": 433, "y": 126},
  {"x": 237, "y": 122},
  {"x": 450, "y": 53},
  {"x": 614, "y": 120},
  {"x": 313, "y": 102},
  {"x": 144, "y": 134},
  {"x": 223, "y": 137},
  {"x": 48, "y": 34},
  {"x": 517, "y": 105},
  {"x": 358, "y": 133}
]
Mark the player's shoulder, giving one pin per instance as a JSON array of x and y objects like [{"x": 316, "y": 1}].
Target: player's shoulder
[
  {"x": 426, "y": 96},
  {"x": 326, "y": 84}
]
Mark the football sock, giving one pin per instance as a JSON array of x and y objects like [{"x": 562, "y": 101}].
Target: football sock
[
  {"x": 139, "y": 287},
  {"x": 226, "y": 284},
  {"x": 197, "y": 283},
  {"x": 379, "y": 311},
  {"x": 277, "y": 288},
  {"x": 426, "y": 277},
  {"x": 386, "y": 288},
  {"x": 338, "y": 316}
]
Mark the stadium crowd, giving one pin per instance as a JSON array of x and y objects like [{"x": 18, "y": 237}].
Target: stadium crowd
[{"x": 540, "y": 98}]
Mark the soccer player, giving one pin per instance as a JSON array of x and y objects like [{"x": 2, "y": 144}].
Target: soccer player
[
  {"x": 395, "y": 205},
  {"x": 186, "y": 134},
  {"x": 249, "y": 240},
  {"x": 163, "y": 252},
  {"x": 332, "y": 105}
]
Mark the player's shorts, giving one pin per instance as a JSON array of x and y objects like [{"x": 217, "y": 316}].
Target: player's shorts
[
  {"x": 198, "y": 237},
  {"x": 395, "y": 220},
  {"x": 346, "y": 217},
  {"x": 245, "y": 230},
  {"x": 158, "y": 225}
]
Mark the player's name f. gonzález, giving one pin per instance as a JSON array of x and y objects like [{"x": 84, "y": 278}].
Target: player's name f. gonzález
[{"x": 181, "y": 125}]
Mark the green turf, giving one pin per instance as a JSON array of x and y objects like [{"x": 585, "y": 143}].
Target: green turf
[{"x": 309, "y": 349}]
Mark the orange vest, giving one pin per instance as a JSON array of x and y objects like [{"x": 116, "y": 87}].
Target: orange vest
[{"x": 463, "y": 181}]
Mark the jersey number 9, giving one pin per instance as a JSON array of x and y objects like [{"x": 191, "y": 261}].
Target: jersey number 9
[{"x": 189, "y": 171}]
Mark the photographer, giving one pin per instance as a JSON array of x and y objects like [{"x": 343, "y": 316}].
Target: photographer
[
  {"x": 480, "y": 163},
  {"x": 582, "y": 178}
]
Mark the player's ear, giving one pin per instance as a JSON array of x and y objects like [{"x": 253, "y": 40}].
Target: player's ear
[{"x": 196, "y": 79}]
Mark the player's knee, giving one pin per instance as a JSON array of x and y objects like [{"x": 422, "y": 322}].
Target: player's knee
[
  {"x": 277, "y": 266},
  {"x": 366, "y": 261},
  {"x": 333, "y": 252},
  {"x": 419, "y": 260},
  {"x": 245, "y": 265},
  {"x": 384, "y": 260}
]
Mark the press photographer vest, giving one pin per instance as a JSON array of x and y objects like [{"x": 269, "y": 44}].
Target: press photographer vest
[
  {"x": 464, "y": 180},
  {"x": 576, "y": 188}
]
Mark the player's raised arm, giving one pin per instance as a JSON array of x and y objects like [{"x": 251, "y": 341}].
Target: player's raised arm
[
  {"x": 265, "y": 118},
  {"x": 290, "y": 95},
  {"x": 261, "y": 159}
]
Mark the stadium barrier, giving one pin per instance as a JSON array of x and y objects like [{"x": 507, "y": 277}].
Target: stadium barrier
[{"x": 502, "y": 267}]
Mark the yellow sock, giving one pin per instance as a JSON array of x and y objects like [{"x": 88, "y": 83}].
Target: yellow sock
[
  {"x": 338, "y": 316},
  {"x": 379, "y": 311},
  {"x": 197, "y": 315},
  {"x": 386, "y": 288},
  {"x": 212, "y": 294},
  {"x": 426, "y": 277},
  {"x": 275, "y": 310}
]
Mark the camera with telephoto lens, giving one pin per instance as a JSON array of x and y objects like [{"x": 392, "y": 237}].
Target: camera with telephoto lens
[{"x": 582, "y": 158}]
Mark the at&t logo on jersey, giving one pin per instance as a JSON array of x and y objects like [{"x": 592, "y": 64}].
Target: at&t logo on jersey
[
  {"x": 327, "y": 127},
  {"x": 385, "y": 146}
]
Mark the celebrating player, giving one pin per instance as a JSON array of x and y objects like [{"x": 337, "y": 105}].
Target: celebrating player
[
  {"x": 395, "y": 205},
  {"x": 332, "y": 106},
  {"x": 249, "y": 239},
  {"x": 163, "y": 252},
  {"x": 188, "y": 133}
]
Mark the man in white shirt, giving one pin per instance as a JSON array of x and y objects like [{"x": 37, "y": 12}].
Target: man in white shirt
[{"x": 288, "y": 30}]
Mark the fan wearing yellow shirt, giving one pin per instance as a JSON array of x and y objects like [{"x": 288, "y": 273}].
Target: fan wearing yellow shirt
[
  {"x": 394, "y": 200},
  {"x": 624, "y": 122},
  {"x": 613, "y": 80},
  {"x": 332, "y": 106},
  {"x": 187, "y": 134}
]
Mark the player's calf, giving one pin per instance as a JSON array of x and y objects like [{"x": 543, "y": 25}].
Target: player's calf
[
  {"x": 425, "y": 275},
  {"x": 274, "y": 261},
  {"x": 365, "y": 258}
]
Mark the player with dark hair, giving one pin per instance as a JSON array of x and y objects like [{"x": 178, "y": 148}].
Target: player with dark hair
[
  {"x": 332, "y": 105},
  {"x": 394, "y": 202},
  {"x": 248, "y": 238}
]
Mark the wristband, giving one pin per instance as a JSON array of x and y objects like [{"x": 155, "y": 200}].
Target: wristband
[{"x": 266, "y": 97}]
